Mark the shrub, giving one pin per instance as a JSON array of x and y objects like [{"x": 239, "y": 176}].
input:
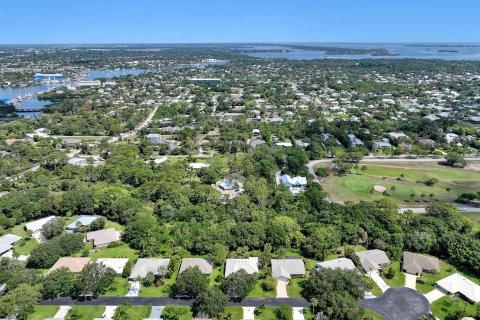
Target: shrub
[{"x": 268, "y": 284}]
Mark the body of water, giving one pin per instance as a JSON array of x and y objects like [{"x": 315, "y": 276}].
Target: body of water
[
  {"x": 398, "y": 51},
  {"x": 34, "y": 103}
]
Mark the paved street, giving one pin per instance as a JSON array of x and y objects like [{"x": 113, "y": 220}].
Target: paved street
[{"x": 162, "y": 301}]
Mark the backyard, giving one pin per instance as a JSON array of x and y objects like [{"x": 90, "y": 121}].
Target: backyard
[{"x": 448, "y": 305}]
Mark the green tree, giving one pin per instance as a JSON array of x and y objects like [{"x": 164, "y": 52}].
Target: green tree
[
  {"x": 210, "y": 303},
  {"x": 94, "y": 279},
  {"x": 239, "y": 284},
  {"x": 192, "y": 282},
  {"x": 19, "y": 302},
  {"x": 59, "y": 283},
  {"x": 455, "y": 159},
  {"x": 53, "y": 228},
  {"x": 218, "y": 253}
]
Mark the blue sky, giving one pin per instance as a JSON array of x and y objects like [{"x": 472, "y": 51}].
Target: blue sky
[{"x": 171, "y": 21}]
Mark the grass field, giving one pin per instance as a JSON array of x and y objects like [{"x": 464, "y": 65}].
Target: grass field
[
  {"x": 448, "y": 305},
  {"x": 138, "y": 312},
  {"x": 42, "y": 312},
  {"x": 122, "y": 251},
  {"x": 371, "y": 314},
  {"x": 26, "y": 247},
  {"x": 119, "y": 288},
  {"x": 268, "y": 313},
  {"x": 355, "y": 187},
  {"x": 88, "y": 312},
  {"x": 399, "y": 279},
  {"x": 426, "y": 282},
  {"x": 258, "y": 292}
]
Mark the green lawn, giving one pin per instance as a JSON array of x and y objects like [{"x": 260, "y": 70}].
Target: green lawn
[
  {"x": 186, "y": 312},
  {"x": 122, "y": 251},
  {"x": 139, "y": 312},
  {"x": 154, "y": 291},
  {"x": 426, "y": 282},
  {"x": 474, "y": 217},
  {"x": 88, "y": 312},
  {"x": 448, "y": 305},
  {"x": 338, "y": 253},
  {"x": 19, "y": 230},
  {"x": 215, "y": 272},
  {"x": 371, "y": 314},
  {"x": 42, "y": 312},
  {"x": 399, "y": 279},
  {"x": 375, "y": 290},
  {"x": 119, "y": 288},
  {"x": 294, "y": 287},
  {"x": 356, "y": 187},
  {"x": 235, "y": 313},
  {"x": 258, "y": 292},
  {"x": 267, "y": 313},
  {"x": 25, "y": 247}
]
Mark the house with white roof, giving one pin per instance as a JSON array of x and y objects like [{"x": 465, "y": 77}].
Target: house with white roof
[
  {"x": 116, "y": 264},
  {"x": 250, "y": 265},
  {"x": 457, "y": 283},
  {"x": 354, "y": 140},
  {"x": 295, "y": 184},
  {"x": 382, "y": 144},
  {"x": 340, "y": 263},
  {"x": 284, "y": 269},
  {"x": 198, "y": 165},
  {"x": 35, "y": 227}
]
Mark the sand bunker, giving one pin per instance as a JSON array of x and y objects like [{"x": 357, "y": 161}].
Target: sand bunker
[{"x": 378, "y": 188}]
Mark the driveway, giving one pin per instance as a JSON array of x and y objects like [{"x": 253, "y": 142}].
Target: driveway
[
  {"x": 410, "y": 281},
  {"x": 298, "y": 313},
  {"x": 109, "y": 312},
  {"x": 398, "y": 303},
  {"x": 434, "y": 295},
  {"x": 156, "y": 312},
  {"x": 248, "y": 313},
  {"x": 375, "y": 276},
  {"x": 282, "y": 289},
  {"x": 62, "y": 312},
  {"x": 134, "y": 289}
]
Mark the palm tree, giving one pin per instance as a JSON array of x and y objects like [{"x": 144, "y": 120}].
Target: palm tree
[
  {"x": 314, "y": 303},
  {"x": 448, "y": 190},
  {"x": 422, "y": 196},
  {"x": 393, "y": 188},
  {"x": 431, "y": 195},
  {"x": 412, "y": 196},
  {"x": 364, "y": 169},
  {"x": 356, "y": 168},
  {"x": 402, "y": 176}
]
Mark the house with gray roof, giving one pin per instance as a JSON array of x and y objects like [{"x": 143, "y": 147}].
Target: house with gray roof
[
  {"x": 9, "y": 239},
  {"x": 284, "y": 269},
  {"x": 415, "y": 263},
  {"x": 354, "y": 140},
  {"x": 81, "y": 221},
  {"x": 250, "y": 265},
  {"x": 205, "y": 265},
  {"x": 340, "y": 263},
  {"x": 373, "y": 260},
  {"x": 102, "y": 238},
  {"x": 146, "y": 265},
  {"x": 382, "y": 144}
]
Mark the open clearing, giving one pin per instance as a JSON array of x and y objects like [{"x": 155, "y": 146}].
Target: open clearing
[{"x": 356, "y": 187}]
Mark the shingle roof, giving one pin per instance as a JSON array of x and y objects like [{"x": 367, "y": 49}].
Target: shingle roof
[
  {"x": 250, "y": 265},
  {"x": 103, "y": 237},
  {"x": 74, "y": 264},
  {"x": 372, "y": 259},
  {"x": 287, "y": 267},
  {"x": 340, "y": 263},
  {"x": 415, "y": 263},
  {"x": 116, "y": 264},
  {"x": 456, "y": 283},
  {"x": 10, "y": 239},
  {"x": 146, "y": 265},
  {"x": 205, "y": 265}
]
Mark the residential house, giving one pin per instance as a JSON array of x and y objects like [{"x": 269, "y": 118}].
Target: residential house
[
  {"x": 373, "y": 260},
  {"x": 250, "y": 265},
  {"x": 155, "y": 138},
  {"x": 102, "y": 238},
  {"x": 199, "y": 165},
  {"x": 81, "y": 221},
  {"x": 414, "y": 263},
  {"x": 116, "y": 264},
  {"x": 205, "y": 265},
  {"x": 354, "y": 140},
  {"x": 73, "y": 264},
  {"x": 146, "y": 265},
  {"x": 284, "y": 269},
  {"x": 340, "y": 263},
  {"x": 382, "y": 144},
  {"x": 457, "y": 283},
  {"x": 295, "y": 185},
  {"x": 35, "y": 227}
]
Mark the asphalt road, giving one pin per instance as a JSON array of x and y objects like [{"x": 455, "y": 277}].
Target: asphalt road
[{"x": 163, "y": 301}]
